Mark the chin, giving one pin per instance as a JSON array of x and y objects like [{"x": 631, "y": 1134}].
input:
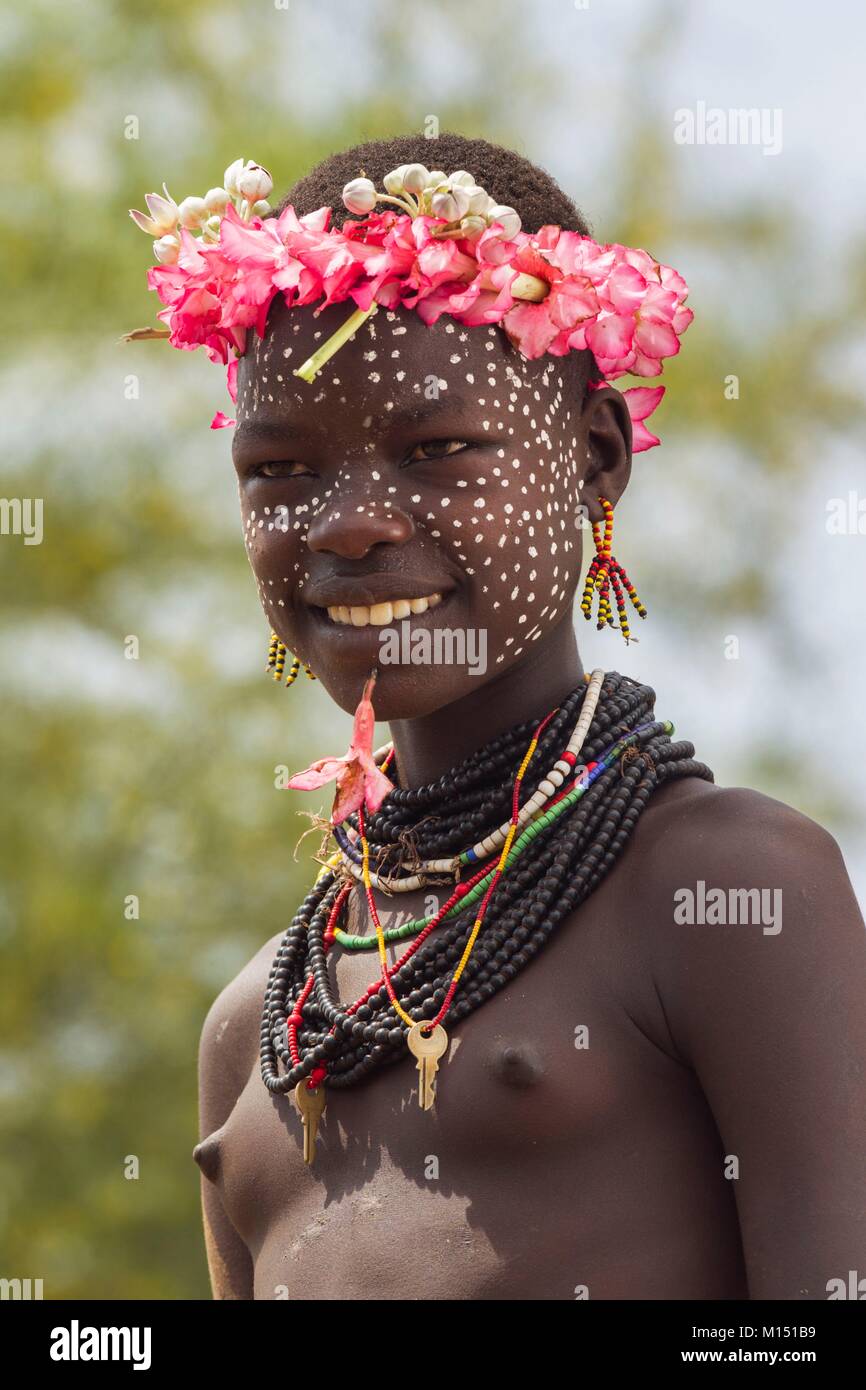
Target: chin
[{"x": 401, "y": 692}]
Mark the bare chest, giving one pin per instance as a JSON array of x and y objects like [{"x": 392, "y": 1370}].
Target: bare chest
[{"x": 552, "y": 1111}]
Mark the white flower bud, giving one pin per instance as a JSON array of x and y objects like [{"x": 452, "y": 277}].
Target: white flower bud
[
  {"x": 415, "y": 178},
  {"x": 435, "y": 177},
  {"x": 461, "y": 179},
  {"x": 163, "y": 214},
  {"x": 509, "y": 219},
  {"x": 262, "y": 207},
  {"x": 167, "y": 249},
  {"x": 393, "y": 182},
  {"x": 461, "y": 198},
  {"x": 479, "y": 201},
  {"x": 216, "y": 200},
  {"x": 211, "y": 228},
  {"x": 359, "y": 195},
  {"x": 254, "y": 183},
  {"x": 192, "y": 212},
  {"x": 444, "y": 205},
  {"x": 231, "y": 176},
  {"x": 472, "y": 227}
]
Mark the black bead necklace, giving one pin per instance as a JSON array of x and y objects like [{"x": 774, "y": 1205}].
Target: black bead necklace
[{"x": 566, "y": 863}]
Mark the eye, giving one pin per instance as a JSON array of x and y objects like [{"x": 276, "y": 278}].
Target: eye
[
  {"x": 282, "y": 468},
  {"x": 437, "y": 449}
]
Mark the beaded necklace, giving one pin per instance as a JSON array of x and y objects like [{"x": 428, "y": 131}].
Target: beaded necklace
[
  {"x": 493, "y": 922},
  {"x": 352, "y": 857}
]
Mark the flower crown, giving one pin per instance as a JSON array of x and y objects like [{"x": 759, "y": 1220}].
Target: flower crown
[{"x": 443, "y": 246}]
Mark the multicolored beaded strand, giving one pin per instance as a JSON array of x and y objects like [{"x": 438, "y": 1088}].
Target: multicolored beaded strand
[
  {"x": 468, "y": 892},
  {"x": 606, "y": 573},
  {"x": 491, "y": 843}
]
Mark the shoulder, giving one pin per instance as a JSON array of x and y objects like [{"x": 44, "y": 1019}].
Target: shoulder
[
  {"x": 748, "y": 916},
  {"x": 734, "y": 840},
  {"x": 229, "y": 1043},
  {"x": 697, "y": 825}
]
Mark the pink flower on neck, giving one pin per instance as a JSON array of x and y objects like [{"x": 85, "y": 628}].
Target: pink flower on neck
[{"x": 359, "y": 780}]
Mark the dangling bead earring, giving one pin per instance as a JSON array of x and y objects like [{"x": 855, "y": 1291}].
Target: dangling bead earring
[
  {"x": 606, "y": 573},
  {"x": 277, "y": 662}
]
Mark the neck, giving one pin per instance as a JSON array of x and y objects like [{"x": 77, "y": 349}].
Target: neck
[{"x": 429, "y": 746}]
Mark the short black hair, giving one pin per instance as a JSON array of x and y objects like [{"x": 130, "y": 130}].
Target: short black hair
[{"x": 504, "y": 174}]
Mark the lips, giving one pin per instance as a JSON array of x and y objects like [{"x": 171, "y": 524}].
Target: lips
[{"x": 372, "y": 590}]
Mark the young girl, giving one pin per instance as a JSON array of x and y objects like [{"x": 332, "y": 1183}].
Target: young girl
[{"x": 559, "y": 1017}]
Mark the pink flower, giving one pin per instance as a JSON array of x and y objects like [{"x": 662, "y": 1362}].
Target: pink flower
[
  {"x": 221, "y": 422},
  {"x": 409, "y": 265},
  {"x": 612, "y": 300},
  {"x": 359, "y": 780},
  {"x": 486, "y": 299},
  {"x": 641, "y": 402},
  {"x": 545, "y": 327},
  {"x": 573, "y": 266},
  {"x": 262, "y": 257},
  {"x": 642, "y": 316}
]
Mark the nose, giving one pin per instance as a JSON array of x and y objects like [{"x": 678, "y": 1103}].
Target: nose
[{"x": 352, "y": 528}]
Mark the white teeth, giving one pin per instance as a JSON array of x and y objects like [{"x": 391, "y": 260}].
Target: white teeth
[{"x": 380, "y": 614}]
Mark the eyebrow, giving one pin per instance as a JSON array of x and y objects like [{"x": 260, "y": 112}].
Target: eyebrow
[
  {"x": 418, "y": 413},
  {"x": 253, "y": 430},
  {"x": 249, "y": 430}
]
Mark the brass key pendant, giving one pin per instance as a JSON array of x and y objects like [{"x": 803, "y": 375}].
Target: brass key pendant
[
  {"x": 311, "y": 1105},
  {"x": 428, "y": 1050}
]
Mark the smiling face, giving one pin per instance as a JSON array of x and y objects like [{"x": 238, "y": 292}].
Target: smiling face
[{"x": 424, "y": 463}]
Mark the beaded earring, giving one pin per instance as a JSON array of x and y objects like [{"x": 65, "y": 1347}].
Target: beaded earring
[
  {"x": 606, "y": 573},
  {"x": 277, "y": 661}
]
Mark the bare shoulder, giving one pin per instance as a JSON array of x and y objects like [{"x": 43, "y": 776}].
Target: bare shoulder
[
  {"x": 230, "y": 1034},
  {"x": 741, "y": 910},
  {"x": 694, "y": 825}
]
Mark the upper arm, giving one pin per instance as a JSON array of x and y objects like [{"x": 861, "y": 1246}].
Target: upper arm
[
  {"x": 227, "y": 1051},
  {"x": 771, "y": 1014}
]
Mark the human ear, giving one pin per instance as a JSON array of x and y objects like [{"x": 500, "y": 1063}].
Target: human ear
[{"x": 607, "y": 433}]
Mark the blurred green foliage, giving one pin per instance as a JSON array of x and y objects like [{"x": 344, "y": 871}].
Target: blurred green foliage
[{"x": 155, "y": 777}]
